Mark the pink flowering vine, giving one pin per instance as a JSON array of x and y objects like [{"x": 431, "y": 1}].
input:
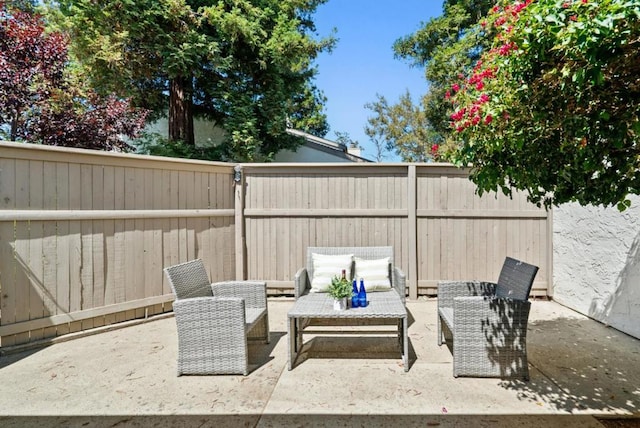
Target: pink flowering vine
[{"x": 472, "y": 110}]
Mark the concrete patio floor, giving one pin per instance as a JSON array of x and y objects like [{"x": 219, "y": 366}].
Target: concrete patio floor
[{"x": 581, "y": 371}]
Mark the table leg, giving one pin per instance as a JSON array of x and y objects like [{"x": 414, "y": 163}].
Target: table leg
[
  {"x": 293, "y": 334},
  {"x": 405, "y": 343}
]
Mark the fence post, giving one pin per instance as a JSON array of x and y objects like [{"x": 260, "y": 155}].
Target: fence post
[
  {"x": 239, "y": 181},
  {"x": 412, "y": 238}
]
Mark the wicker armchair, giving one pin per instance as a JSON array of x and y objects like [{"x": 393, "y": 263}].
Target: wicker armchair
[
  {"x": 487, "y": 322},
  {"x": 214, "y": 321}
]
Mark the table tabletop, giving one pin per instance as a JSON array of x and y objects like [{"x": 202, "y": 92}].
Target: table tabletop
[{"x": 320, "y": 305}]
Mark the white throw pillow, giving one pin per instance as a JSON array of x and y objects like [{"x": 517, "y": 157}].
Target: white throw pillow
[
  {"x": 326, "y": 267},
  {"x": 375, "y": 274}
]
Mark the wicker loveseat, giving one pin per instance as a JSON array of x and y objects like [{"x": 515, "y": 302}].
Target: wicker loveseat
[
  {"x": 487, "y": 322},
  {"x": 302, "y": 279}
]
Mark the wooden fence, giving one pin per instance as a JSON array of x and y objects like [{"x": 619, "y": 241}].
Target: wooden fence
[
  {"x": 429, "y": 213},
  {"x": 84, "y": 235}
]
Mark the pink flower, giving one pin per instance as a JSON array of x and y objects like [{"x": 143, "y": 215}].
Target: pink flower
[
  {"x": 455, "y": 87},
  {"x": 447, "y": 95},
  {"x": 434, "y": 148},
  {"x": 479, "y": 86},
  {"x": 488, "y": 119},
  {"x": 458, "y": 115}
]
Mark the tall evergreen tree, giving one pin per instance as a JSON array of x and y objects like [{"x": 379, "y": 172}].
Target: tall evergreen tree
[
  {"x": 245, "y": 64},
  {"x": 446, "y": 46}
]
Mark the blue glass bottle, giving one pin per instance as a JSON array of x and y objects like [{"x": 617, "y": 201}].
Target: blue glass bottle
[
  {"x": 362, "y": 295},
  {"x": 354, "y": 294}
]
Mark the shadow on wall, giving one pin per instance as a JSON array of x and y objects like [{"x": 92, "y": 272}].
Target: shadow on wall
[
  {"x": 23, "y": 294},
  {"x": 581, "y": 366},
  {"x": 622, "y": 308}
]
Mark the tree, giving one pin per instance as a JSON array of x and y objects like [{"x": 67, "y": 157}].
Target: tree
[
  {"x": 553, "y": 108},
  {"x": 244, "y": 64},
  {"x": 404, "y": 126},
  {"x": 345, "y": 139},
  {"x": 39, "y": 100},
  {"x": 445, "y": 46},
  {"x": 24, "y": 5}
]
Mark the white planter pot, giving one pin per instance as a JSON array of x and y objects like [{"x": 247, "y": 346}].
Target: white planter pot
[{"x": 340, "y": 304}]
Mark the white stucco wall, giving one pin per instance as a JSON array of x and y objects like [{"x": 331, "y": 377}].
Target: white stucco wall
[{"x": 596, "y": 263}]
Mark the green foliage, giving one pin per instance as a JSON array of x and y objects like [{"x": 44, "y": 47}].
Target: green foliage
[
  {"x": 157, "y": 145},
  {"x": 345, "y": 139},
  {"x": 340, "y": 288},
  {"x": 246, "y": 64},
  {"x": 445, "y": 46},
  {"x": 405, "y": 128},
  {"x": 553, "y": 108},
  {"x": 43, "y": 101}
]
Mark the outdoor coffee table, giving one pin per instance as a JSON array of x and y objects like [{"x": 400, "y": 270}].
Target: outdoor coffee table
[{"x": 385, "y": 305}]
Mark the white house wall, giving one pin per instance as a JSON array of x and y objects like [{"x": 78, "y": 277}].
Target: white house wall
[
  {"x": 597, "y": 263},
  {"x": 308, "y": 154},
  {"x": 205, "y": 132}
]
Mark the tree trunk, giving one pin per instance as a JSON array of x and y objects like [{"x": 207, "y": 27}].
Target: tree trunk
[
  {"x": 180, "y": 114},
  {"x": 13, "y": 133}
]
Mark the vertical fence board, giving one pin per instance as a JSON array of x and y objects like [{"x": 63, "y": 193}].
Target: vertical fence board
[
  {"x": 7, "y": 243},
  {"x": 49, "y": 246},
  {"x": 22, "y": 251},
  {"x": 98, "y": 242}
]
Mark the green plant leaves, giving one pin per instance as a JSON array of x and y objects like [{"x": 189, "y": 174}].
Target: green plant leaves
[{"x": 565, "y": 103}]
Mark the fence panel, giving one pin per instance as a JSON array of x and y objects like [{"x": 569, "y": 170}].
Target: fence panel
[
  {"x": 452, "y": 233},
  {"x": 84, "y": 235}
]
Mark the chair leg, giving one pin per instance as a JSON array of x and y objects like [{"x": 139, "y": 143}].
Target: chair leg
[
  {"x": 439, "y": 331},
  {"x": 266, "y": 329}
]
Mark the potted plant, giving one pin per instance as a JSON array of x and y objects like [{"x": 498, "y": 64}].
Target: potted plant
[{"x": 341, "y": 290}]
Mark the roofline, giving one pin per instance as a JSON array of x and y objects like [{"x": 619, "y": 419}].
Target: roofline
[{"x": 328, "y": 145}]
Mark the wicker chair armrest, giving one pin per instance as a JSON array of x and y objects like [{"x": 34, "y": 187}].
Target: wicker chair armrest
[
  {"x": 209, "y": 308},
  {"x": 399, "y": 283},
  {"x": 495, "y": 316},
  {"x": 254, "y": 293},
  {"x": 448, "y": 290},
  {"x": 301, "y": 282}
]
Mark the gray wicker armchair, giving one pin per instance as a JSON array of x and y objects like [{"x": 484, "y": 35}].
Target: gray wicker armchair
[
  {"x": 215, "y": 320},
  {"x": 487, "y": 322}
]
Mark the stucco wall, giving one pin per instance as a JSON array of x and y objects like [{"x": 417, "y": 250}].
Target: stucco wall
[{"x": 596, "y": 266}]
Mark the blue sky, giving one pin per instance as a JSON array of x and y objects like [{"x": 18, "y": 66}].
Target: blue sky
[{"x": 362, "y": 63}]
